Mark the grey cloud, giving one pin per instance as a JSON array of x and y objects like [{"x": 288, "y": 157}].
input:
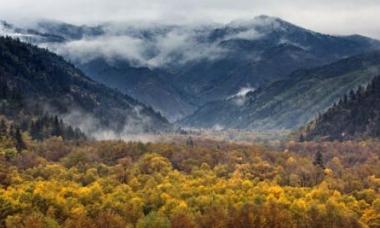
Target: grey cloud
[
  {"x": 177, "y": 45},
  {"x": 110, "y": 47},
  {"x": 338, "y": 16},
  {"x": 89, "y": 124},
  {"x": 159, "y": 45}
]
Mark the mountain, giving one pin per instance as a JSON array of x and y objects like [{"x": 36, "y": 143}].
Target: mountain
[
  {"x": 46, "y": 80},
  {"x": 261, "y": 51},
  {"x": 17, "y": 116},
  {"x": 177, "y": 69},
  {"x": 149, "y": 86},
  {"x": 356, "y": 115},
  {"x": 289, "y": 103}
]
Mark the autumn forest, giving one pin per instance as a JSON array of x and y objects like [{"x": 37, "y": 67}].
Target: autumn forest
[{"x": 189, "y": 183}]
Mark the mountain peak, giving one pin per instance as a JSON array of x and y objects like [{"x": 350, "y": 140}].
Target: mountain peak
[{"x": 264, "y": 24}]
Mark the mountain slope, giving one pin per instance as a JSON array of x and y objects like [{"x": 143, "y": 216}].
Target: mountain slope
[
  {"x": 149, "y": 86},
  {"x": 46, "y": 80},
  {"x": 356, "y": 115},
  {"x": 261, "y": 51},
  {"x": 177, "y": 69},
  {"x": 290, "y": 103}
]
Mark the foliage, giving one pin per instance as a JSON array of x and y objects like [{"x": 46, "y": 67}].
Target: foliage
[
  {"x": 208, "y": 184},
  {"x": 355, "y": 115},
  {"x": 14, "y": 107}
]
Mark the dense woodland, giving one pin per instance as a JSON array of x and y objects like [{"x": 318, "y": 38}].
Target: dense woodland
[
  {"x": 17, "y": 115},
  {"x": 189, "y": 183},
  {"x": 356, "y": 115},
  {"x": 45, "y": 82}
]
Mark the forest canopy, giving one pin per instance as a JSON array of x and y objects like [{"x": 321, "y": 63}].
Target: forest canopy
[{"x": 190, "y": 183}]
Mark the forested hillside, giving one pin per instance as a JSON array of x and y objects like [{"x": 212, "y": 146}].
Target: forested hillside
[
  {"x": 46, "y": 83},
  {"x": 16, "y": 116},
  {"x": 356, "y": 115},
  {"x": 289, "y": 103}
]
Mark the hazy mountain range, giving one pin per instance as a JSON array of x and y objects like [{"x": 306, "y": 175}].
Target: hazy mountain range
[{"x": 253, "y": 74}]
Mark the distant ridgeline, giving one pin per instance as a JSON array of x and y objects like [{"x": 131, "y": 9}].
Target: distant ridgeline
[
  {"x": 210, "y": 62},
  {"x": 356, "y": 115},
  {"x": 17, "y": 116}
]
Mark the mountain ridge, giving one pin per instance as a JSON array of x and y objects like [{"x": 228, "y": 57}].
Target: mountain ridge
[
  {"x": 178, "y": 69},
  {"x": 60, "y": 88},
  {"x": 292, "y": 102}
]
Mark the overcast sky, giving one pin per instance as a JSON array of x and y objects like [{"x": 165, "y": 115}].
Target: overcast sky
[{"x": 329, "y": 16}]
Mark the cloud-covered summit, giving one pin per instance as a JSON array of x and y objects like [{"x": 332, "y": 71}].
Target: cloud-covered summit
[
  {"x": 335, "y": 17},
  {"x": 159, "y": 45},
  {"x": 153, "y": 45}
]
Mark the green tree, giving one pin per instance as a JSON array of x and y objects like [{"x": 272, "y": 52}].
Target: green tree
[
  {"x": 19, "y": 141},
  {"x": 318, "y": 160}
]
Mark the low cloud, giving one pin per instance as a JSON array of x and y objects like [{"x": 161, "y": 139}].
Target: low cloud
[
  {"x": 135, "y": 125},
  {"x": 108, "y": 47},
  {"x": 240, "y": 97},
  {"x": 182, "y": 46},
  {"x": 177, "y": 46},
  {"x": 337, "y": 17},
  {"x": 161, "y": 45}
]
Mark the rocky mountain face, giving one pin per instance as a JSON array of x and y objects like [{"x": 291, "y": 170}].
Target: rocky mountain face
[{"x": 47, "y": 81}]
